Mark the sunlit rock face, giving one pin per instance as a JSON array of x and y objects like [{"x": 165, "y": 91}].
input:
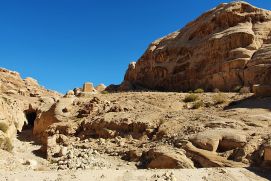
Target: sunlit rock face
[
  {"x": 19, "y": 101},
  {"x": 225, "y": 47}
]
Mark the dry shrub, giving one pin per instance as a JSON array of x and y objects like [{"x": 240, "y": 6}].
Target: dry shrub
[
  {"x": 219, "y": 98},
  {"x": 191, "y": 98},
  {"x": 105, "y": 92},
  {"x": 244, "y": 90},
  {"x": 197, "y": 91},
  {"x": 198, "y": 104}
]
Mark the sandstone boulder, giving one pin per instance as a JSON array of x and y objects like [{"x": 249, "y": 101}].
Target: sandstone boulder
[
  {"x": 100, "y": 87},
  {"x": 219, "y": 140},
  {"x": 70, "y": 93},
  {"x": 166, "y": 158},
  {"x": 49, "y": 114},
  {"x": 209, "y": 159}
]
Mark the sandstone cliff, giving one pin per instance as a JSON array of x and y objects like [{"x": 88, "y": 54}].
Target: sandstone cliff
[
  {"x": 225, "y": 47},
  {"x": 19, "y": 101}
]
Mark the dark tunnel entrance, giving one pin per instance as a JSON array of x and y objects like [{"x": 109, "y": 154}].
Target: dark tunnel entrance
[{"x": 31, "y": 117}]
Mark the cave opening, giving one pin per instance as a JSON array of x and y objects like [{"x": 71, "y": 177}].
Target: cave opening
[{"x": 31, "y": 117}]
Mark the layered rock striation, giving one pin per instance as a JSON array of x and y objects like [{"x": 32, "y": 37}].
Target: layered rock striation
[{"x": 225, "y": 47}]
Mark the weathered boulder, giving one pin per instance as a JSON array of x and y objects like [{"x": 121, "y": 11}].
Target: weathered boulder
[
  {"x": 100, "y": 87},
  {"x": 69, "y": 94},
  {"x": 219, "y": 140},
  {"x": 209, "y": 159},
  {"x": 54, "y": 146},
  {"x": 49, "y": 114},
  {"x": 166, "y": 158},
  {"x": 225, "y": 47}
]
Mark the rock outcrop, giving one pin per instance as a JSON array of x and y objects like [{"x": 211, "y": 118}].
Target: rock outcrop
[
  {"x": 219, "y": 140},
  {"x": 166, "y": 158},
  {"x": 19, "y": 102},
  {"x": 225, "y": 47},
  {"x": 100, "y": 87},
  {"x": 12, "y": 120}
]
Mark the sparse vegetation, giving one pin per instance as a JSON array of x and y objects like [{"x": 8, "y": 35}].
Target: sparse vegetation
[
  {"x": 219, "y": 98},
  {"x": 105, "y": 92},
  {"x": 191, "y": 98},
  {"x": 197, "y": 91},
  {"x": 208, "y": 104},
  {"x": 244, "y": 90},
  {"x": 198, "y": 104}
]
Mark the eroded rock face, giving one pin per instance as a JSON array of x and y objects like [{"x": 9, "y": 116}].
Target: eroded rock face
[
  {"x": 19, "y": 100},
  {"x": 225, "y": 47},
  {"x": 47, "y": 115},
  {"x": 12, "y": 120}
]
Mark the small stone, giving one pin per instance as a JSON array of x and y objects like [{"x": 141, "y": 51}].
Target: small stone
[
  {"x": 70, "y": 155},
  {"x": 102, "y": 141},
  {"x": 62, "y": 167},
  {"x": 31, "y": 163},
  {"x": 95, "y": 152},
  {"x": 63, "y": 151},
  {"x": 121, "y": 143}
]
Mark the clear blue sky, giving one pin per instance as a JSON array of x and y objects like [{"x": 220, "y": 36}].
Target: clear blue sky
[{"x": 63, "y": 43}]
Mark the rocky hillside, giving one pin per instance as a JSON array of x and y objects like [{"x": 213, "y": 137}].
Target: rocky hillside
[
  {"x": 156, "y": 130},
  {"x": 225, "y": 47},
  {"x": 91, "y": 128}
]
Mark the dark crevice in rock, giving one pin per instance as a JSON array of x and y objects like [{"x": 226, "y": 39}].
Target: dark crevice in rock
[{"x": 30, "y": 115}]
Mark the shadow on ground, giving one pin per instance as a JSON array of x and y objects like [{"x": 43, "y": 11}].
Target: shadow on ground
[
  {"x": 252, "y": 102},
  {"x": 262, "y": 172},
  {"x": 27, "y": 136}
]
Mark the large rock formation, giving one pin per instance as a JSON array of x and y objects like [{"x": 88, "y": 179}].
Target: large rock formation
[
  {"x": 225, "y": 47},
  {"x": 19, "y": 102}
]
